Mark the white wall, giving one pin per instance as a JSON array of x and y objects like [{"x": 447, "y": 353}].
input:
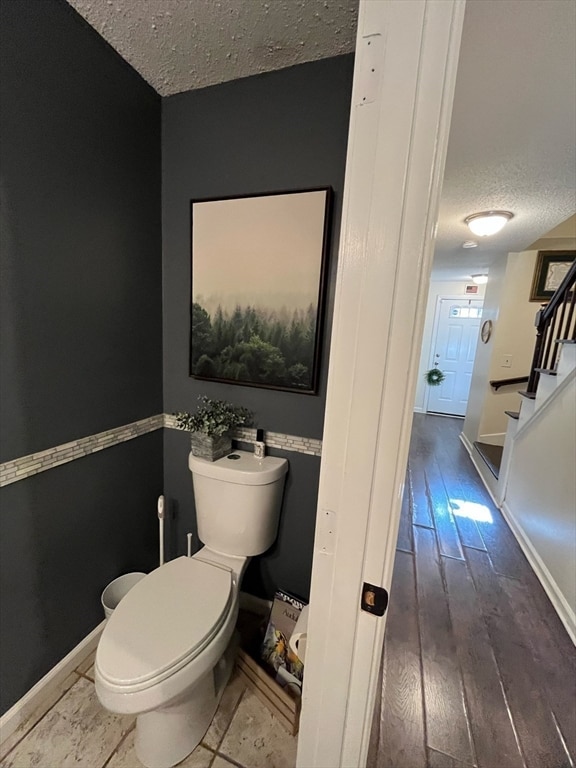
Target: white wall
[
  {"x": 541, "y": 497},
  {"x": 480, "y": 374},
  {"x": 507, "y": 304},
  {"x": 514, "y": 334},
  {"x": 451, "y": 288}
]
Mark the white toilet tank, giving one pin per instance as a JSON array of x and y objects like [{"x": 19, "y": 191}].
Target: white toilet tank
[{"x": 238, "y": 501}]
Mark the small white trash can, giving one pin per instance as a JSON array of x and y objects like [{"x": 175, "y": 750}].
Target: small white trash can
[{"x": 118, "y": 589}]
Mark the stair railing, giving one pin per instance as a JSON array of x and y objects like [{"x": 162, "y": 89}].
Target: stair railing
[
  {"x": 497, "y": 383},
  {"x": 555, "y": 321}
]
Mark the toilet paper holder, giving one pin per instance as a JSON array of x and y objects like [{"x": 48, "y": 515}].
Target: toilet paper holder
[{"x": 299, "y": 636}]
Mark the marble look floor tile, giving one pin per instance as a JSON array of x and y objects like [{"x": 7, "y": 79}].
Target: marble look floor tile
[
  {"x": 256, "y": 739},
  {"x": 125, "y": 756},
  {"x": 76, "y": 732},
  {"x": 220, "y": 762},
  {"x": 225, "y": 711},
  {"x": 86, "y": 664},
  {"x": 37, "y": 715}
]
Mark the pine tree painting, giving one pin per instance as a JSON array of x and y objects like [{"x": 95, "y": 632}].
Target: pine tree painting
[{"x": 258, "y": 267}]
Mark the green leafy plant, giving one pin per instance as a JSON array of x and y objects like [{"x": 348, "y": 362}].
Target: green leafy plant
[
  {"x": 434, "y": 377},
  {"x": 213, "y": 417}
]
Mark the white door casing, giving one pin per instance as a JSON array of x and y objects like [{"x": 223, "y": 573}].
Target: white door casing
[
  {"x": 405, "y": 70},
  {"x": 457, "y": 325}
]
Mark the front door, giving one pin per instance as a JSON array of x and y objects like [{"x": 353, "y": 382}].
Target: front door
[{"x": 456, "y": 338}]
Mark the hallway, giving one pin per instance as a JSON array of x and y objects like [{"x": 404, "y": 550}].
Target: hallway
[{"x": 479, "y": 670}]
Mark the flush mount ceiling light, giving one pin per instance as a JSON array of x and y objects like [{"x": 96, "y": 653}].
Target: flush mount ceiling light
[
  {"x": 488, "y": 222},
  {"x": 469, "y": 244},
  {"x": 480, "y": 279}
]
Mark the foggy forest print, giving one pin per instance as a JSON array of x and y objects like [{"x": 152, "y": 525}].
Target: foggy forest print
[
  {"x": 256, "y": 284},
  {"x": 255, "y": 345}
]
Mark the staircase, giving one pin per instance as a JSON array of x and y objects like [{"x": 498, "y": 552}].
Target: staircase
[
  {"x": 536, "y": 485},
  {"x": 549, "y": 383},
  {"x": 553, "y": 360},
  {"x": 549, "y": 380},
  {"x": 555, "y": 325}
]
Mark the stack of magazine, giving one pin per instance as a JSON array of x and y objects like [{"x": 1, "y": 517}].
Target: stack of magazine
[{"x": 282, "y": 663}]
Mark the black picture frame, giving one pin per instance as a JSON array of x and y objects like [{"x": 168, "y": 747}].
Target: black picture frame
[
  {"x": 259, "y": 266},
  {"x": 550, "y": 269}
]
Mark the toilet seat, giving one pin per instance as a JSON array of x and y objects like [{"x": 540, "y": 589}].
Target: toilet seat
[{"x": 164, "y": 622}]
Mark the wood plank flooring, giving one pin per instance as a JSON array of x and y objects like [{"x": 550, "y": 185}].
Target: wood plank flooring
[{"x": 477, "y": 669}]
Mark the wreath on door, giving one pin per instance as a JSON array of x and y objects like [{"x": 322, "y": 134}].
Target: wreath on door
[{"x": 434, "y": 377}]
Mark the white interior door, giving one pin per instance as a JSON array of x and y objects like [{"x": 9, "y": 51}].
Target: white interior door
[{"x": 454, "y": 348}]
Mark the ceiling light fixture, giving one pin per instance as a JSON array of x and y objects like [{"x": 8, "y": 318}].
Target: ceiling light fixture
[
  {"x": 480, "y": 279},
  {"x": 488, "y": 222},
  {"x": 469, "y": 244}
]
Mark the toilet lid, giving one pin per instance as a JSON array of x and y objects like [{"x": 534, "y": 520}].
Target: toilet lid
[{"x": 164, "y": 621}]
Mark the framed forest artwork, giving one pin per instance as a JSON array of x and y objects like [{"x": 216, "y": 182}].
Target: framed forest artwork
[{"x": 259, "y": 268}]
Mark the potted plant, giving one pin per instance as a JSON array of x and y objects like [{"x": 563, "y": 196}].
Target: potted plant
[{"x": 210, "y": 426}]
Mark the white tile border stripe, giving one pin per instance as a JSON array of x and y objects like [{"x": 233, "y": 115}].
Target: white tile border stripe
[
  {"x": 27, "y": 466},
  {"x": 308, "y": 445}
]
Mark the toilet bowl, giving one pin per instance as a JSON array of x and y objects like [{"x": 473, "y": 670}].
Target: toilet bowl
[{"x": 167, "y": 651}]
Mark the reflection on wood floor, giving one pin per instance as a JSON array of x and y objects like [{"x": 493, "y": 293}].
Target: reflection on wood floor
[{"x": 478, "y": 669}]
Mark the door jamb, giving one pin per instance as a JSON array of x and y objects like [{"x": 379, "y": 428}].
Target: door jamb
[{"x": 404, "y": 80}]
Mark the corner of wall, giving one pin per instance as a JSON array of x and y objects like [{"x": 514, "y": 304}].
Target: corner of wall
[{"x": 480, "y": 375}]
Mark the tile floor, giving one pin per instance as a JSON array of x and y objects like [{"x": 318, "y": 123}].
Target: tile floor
[{"x": 73, "y": 731}]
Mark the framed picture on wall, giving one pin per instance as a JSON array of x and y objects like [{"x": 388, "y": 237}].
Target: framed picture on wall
[
  {"x": 259, "y": 265},
  {"x": 551, "y": 268}
]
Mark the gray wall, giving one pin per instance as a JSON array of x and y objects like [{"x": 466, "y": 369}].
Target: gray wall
[
  {"x": 80, "y": 327},
  {"x": 279, "y": 131}
]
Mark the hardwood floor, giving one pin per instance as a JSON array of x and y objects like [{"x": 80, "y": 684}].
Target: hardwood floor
[{"x": 477, "y": 668}]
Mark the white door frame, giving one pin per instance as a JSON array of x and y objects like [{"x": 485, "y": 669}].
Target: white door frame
[
  {"x": 404, "y": 77},
  {"x": 436, "y": 323}
]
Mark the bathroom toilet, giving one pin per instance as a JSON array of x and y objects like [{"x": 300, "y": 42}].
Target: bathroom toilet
[{"x": 167, "y": 651}]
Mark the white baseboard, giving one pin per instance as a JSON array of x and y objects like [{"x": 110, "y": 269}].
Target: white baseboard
[
  {"x": 544, "y": 576},
  {"x": 564, "y": 611},
  {"x": 24, "y": 707},
  {"x": 466, "y": 443},
  {"x": 31, "y": 701},
  {"x": 255, "y": 604},
  {"x": 418, "y": 409}
]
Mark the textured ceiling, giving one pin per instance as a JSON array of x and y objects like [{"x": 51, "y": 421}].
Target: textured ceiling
[
  {"x": 178, "y": 45},
  {"x": 513, "y": 135}
]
